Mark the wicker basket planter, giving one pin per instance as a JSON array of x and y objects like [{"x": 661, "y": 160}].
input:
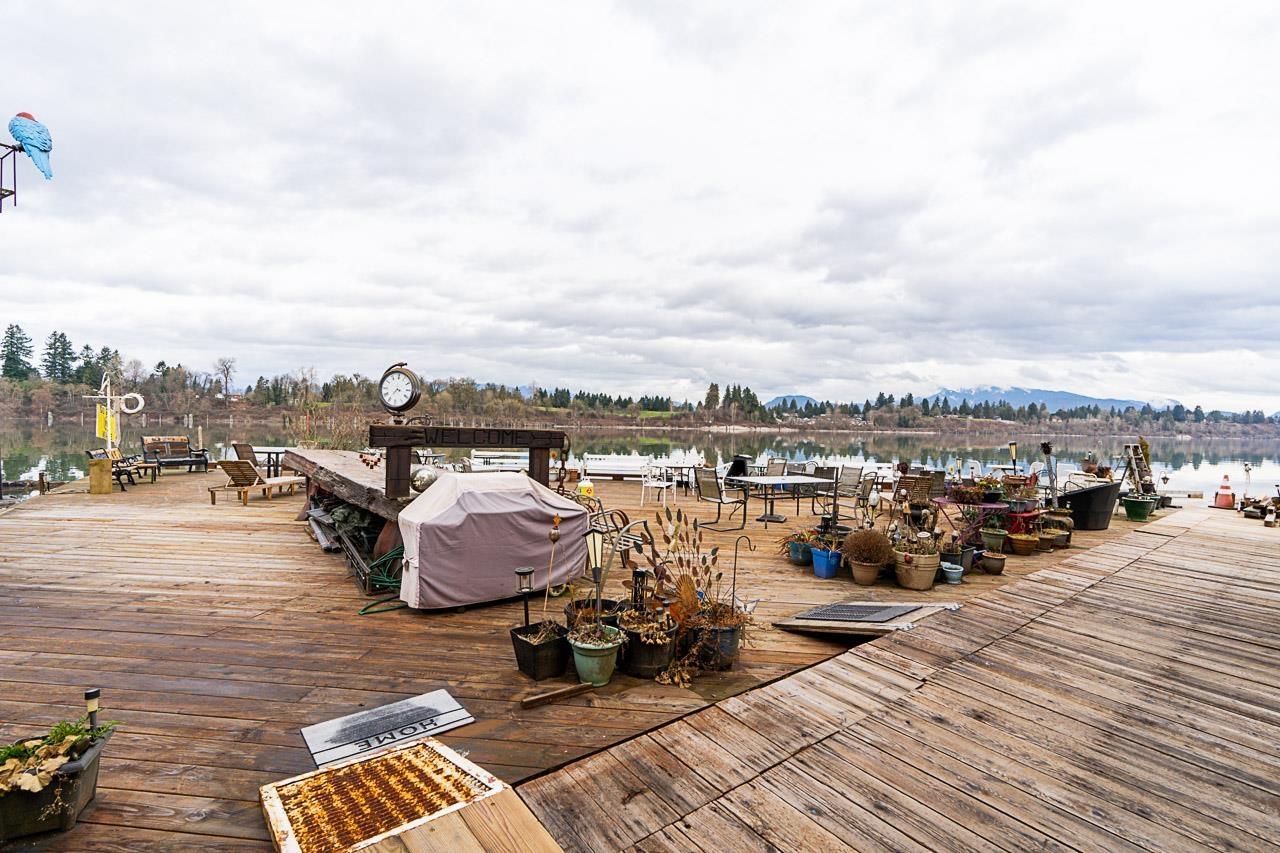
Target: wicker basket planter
[{"x": 1023, "y": 544}]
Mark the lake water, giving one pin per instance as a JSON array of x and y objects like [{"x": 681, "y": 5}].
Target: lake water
[{"x": 1191, "y": 464}]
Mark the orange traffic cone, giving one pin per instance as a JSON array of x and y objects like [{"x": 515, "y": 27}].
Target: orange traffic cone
[{"x": 1225, "y": 498}]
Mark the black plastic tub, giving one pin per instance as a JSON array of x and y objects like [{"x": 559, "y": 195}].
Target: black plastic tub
[
  {"x": 545, "y": 660},
  {"x": 1092, "y": 507},
  {"x": 60, "y": 802}
]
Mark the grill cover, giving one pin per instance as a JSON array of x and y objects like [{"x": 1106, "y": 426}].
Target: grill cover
[{"x": 466, "y": 534}]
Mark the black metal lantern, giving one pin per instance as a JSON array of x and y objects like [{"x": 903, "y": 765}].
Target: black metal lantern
[{"x": 524, "y": 582}]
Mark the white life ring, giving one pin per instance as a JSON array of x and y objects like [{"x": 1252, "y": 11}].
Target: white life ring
[{"x": 131, "y": 410}]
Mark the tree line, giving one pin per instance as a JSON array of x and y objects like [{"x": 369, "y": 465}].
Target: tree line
[{"x": 62, "y": 373}]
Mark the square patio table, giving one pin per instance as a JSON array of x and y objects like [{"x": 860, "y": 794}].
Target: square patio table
[{"x": 768, "y": 497}]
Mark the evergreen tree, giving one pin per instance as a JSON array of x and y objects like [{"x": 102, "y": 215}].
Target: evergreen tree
[
  {"x": 924, "y": 407},
  {"x": 712, "y": 400},
  {"x": 15, "y": 353},
  {"x": 58, "y": 362},
  {"x": 908, "y": 399}
]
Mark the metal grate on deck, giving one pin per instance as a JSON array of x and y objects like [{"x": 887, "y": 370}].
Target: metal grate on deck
[{"x": 858, "y": 612}]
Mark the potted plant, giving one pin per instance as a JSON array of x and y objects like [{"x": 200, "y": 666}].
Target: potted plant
[
  {"x": 595, "y": 651},
  {"x": 1138, "y": 507},
  {"x": 1023, "y": 544},
  {"x": 916, "y": 561},
  {"x": 795, "y": 546},
  {"x": 950, "y": 552},
  {"x": 993, "y": 534},
  {"x": 541, "y": 648},
  {"x": 651, "y": 641},
  {"x": 1024, "y": 499},
  {"x": 993, "y": 563},
  {"x": 992, "y": 489},
  {"x": 648, "y": 627},
  {"x": 826, "y": 561},
  {"x": 952, "y": 572},
  {"x": 710, "y": 621},
  {"x": 1045, "y": 540},
  {"x": 46, "y": 782},
  {"x": 867, "y": 552},
  {"x": 962, "y": 494}
]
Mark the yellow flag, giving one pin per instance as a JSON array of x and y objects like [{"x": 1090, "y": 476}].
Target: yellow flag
[{"x": 102, "y": 422}]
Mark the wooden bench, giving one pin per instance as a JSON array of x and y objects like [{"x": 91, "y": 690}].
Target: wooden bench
[
  {"x": 174, "y": 451},
  {"x": 119, "y": 472},
  {"x": 615, "y": 466},
  {"x": 132, "y": 463},
  {"x": 497, "y": 460}
]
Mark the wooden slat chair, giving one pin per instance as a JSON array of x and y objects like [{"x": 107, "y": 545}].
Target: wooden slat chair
[
  {"x": 244, "y": 477},
  {"x": 711, "y": 490}
]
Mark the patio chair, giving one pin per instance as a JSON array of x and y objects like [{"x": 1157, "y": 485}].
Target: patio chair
[
  {"x": 865, "y": 504},
  {"x": 711, "y": 490},
  {"x": 656, "y": 479},
  {"x": 245, "y": 452},
  {"x": 911, "y": 497},
  {"x": 823, "y": 493},
  {"x": 244, "y": 477},
  {"x": 937, "y": 483},
  {"x": 612, "y": 522}
]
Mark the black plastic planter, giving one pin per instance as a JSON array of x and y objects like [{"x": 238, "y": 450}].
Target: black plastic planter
[
  {"x": 718, "y": 647},
  {"x": 647, "y": 660},
  {"x": 545, "y": 660},
  {"x": 73, "y": 785}
]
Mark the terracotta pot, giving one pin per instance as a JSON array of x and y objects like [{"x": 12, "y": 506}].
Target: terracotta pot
[
  {"x": 865, "y": 574},
  {"x": 916, "y": 571}
]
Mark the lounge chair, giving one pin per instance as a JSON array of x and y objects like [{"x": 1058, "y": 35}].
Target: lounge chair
[
  {"x": 174, "y": 451},
  {"x": 710, "y": 490},
  {"x": 244, "y": 477}
]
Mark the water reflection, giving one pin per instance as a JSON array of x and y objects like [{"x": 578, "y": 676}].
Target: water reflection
[{"x": 1192, "y": 464}]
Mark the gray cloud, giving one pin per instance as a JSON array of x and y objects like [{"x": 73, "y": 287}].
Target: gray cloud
[{"x": 646, "y": 197}]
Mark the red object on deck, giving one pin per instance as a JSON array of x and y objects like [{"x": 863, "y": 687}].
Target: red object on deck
[{"x": 1225, "y": 498}]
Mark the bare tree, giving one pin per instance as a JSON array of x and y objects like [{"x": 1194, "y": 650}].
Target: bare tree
[{"x": 225, "y": 369}]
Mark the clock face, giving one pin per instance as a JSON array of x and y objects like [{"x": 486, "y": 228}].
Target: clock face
[{"x": 397, "y": 390}]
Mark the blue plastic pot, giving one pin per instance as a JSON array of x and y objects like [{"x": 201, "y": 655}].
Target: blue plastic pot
[
  {"x": 825, "y": 563},
  {"x": 799, "y": 553}
]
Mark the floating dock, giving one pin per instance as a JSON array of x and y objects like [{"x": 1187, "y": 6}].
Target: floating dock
[{"x": 1134, "y": 671}]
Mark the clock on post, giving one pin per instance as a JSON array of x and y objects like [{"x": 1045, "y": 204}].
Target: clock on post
[{"x": 399, "y": 390}]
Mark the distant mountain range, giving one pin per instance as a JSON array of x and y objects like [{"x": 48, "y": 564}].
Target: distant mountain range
[
  {"x": 1026, "y": 396},
  {"x": 785, "y": 400},
  {"x": 1013, "y": 396}
]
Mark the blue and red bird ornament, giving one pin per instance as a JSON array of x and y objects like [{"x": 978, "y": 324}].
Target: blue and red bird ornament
[{"x": 33, "y": 138}]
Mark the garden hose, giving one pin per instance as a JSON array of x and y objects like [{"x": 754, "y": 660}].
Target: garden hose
[{"x": 380, "y": 574}]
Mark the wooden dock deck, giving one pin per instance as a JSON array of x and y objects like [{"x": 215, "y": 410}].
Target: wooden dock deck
[
  {"x": 216, "y": 632},
  {"x": 1126, "y": 699}
]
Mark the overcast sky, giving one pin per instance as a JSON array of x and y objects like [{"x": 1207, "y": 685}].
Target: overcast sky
[{"x": 644, "y": 197}]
